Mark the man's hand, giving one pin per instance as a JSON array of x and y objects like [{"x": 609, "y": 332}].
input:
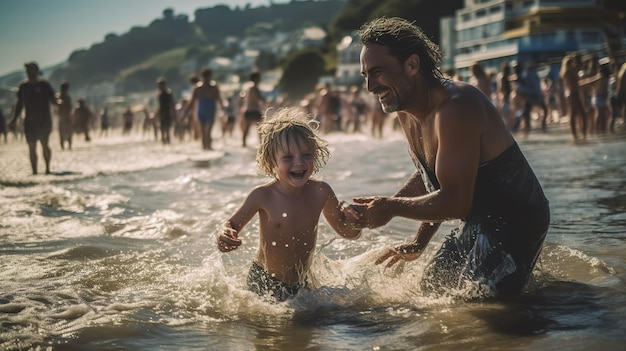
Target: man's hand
[
  {"x": 406, "y": 252},
  {"x": 372, "y": 210}
]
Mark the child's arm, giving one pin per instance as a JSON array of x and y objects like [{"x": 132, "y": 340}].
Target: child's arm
[
  {"x": 228, "y": 237},
  {"x": 342, "y": 218}
]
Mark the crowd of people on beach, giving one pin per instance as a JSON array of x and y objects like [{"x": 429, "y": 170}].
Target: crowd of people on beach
[
  {"x": 460, "y": 136},
  {"x": 587, "y": 92},
  {"x": 194, "y": 117}
]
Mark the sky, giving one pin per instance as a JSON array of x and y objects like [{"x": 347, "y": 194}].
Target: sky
[{"x": 48, "y": 31}]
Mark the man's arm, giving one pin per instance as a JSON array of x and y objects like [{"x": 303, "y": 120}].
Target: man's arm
[
  {"x": 458, "y": 129},
  {"x": 17, "y": 111},
  {"x": 413, "y": 250}
]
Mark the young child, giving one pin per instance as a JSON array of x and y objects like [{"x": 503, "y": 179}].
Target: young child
[{"x": 289, "y": 206}]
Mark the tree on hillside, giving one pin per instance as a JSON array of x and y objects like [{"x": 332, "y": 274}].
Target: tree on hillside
[
  {"x": 425, "y": 13},
  {"x": 302, "y": 73}
]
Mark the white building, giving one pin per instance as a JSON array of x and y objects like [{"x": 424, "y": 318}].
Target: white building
[
  {"x": 493, "y": 31},
  {"x": 348, "y": 66}
]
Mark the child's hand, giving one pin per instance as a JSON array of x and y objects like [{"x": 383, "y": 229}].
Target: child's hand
[
  {"x": 352, "y": 219},
  {"x": 349, "y": 212},
  {"x": 228, "y": 240}
]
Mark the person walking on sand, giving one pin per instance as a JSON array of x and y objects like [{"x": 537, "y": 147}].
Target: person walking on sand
[
  {"x": 254, "y": 103},
  {"x": 66, "y": 126},
  {"x": 289, "y": 206},
  {"x": 469, "y": 167},
  {"x": 205, "y": 99},
  {"x": 35, "y": 96}
]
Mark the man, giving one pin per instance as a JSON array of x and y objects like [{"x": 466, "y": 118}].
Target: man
[
  {"x": 570, "y": 66},
  {"x": 35, "y": 96},
  {"x": 330, "y": 109},
  {"x": 82, "y": 117},
  {"x": 64, "y": 102},
  {"x": 166, "y": 110},
  {"x": 469, "y": 167},
  {"x": 254, "y": 103}
]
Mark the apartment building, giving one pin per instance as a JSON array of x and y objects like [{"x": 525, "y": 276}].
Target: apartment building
[{"x": 540, "y": 31}]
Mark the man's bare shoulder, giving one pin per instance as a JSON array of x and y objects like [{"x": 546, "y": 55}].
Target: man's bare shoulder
[
  {"x": 461, "y": 97},
  {"x": 466, "y": 107}
]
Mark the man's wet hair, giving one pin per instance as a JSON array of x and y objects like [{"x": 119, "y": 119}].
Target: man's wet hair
[{"x": 404, "y": 38}]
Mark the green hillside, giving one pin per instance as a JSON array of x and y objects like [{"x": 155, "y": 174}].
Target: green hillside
[{"x": 132, "y": 61}]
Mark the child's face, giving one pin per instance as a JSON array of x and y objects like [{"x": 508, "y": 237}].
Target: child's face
[{"x": 294, "y": 164}]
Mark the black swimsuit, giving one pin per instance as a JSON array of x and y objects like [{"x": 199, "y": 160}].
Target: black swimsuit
[
  {"x": 498, "y": 244},
  {"x": 262, "y": 283}
]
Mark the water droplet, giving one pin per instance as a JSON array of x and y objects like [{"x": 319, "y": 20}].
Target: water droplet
[
  {"x": 273, "y": 243},
  {"x": 286, "y": 245},
  {"x": 273, "y": 275},
  {"x": 284, "y": 214}
]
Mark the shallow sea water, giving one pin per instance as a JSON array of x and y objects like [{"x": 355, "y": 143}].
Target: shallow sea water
[{"x": 115, "y": 251}]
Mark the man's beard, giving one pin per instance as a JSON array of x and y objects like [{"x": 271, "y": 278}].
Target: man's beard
[{"x": 392, "y": 106}]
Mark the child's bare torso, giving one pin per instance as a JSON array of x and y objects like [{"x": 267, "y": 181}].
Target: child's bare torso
[{"x": 288, "y": 227}]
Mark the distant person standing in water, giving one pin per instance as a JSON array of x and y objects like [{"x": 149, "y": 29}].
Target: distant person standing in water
[
  {"x": 66, "y": 126},
  {"x": 229, "y": 118},
  {"x": 82, "y": 118},
  {"x": 205, "y": 99},
  {"x": 469, "y": 167},
  {"x": 253, "y": 106},
  {"x": 104, "y": 122},
  {"x": 571, "y": 64},
  {"x": 166, "y": 110},
  {"x": 128, "y": 118},
  {"x": 3, "y": 126},
  {"x": 35, "y": 96},
  {"x": 289, "y": 206},
  {"x": 378, "y": 118},
  {"x": 196, "y": 129}
]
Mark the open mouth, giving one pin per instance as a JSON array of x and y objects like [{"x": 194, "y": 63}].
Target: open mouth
[
  {"x": 384, "y": 96},
  {"x": 298, "y": 174}
]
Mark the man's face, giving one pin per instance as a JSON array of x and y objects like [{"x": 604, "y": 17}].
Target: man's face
[
  {"x": 385, "y": 77},
  {"x": 32, "y": 71}
]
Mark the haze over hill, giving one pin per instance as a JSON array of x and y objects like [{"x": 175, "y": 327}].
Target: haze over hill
[{"x": 62, "y": 26}]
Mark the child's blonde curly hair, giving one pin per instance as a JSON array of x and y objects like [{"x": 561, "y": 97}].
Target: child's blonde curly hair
[{"x": 287, "y": 127}]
